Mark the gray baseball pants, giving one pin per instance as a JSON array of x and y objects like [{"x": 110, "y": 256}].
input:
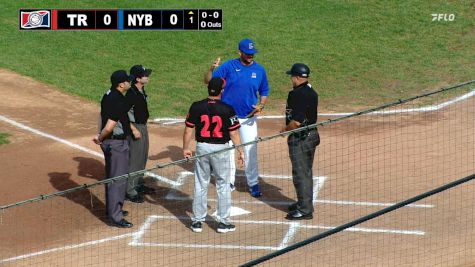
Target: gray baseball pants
[
  {"x": 220, "y": 163},
  {"x": 116, "y": 154},
  {"x": 302, "y": 152},
  {"x": 138, "y": 158}
]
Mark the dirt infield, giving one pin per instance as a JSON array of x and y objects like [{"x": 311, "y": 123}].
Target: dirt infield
[{"x": 71, "y": 230}]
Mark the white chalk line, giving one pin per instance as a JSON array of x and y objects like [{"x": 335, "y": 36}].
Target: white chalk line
[
  {"x": 160, "y": 178},
  {"x": 319, "y": 181},
  {"x": 136, "y": 236},
  {"x": 292, "y": 230},
  {"x": 178, "y": 183},
  {"x": 321, "y": 201},
  {"x": 49, "y": 136},
  {"x": 168, "y": 121},
  {"x": 90, "y": 243}
]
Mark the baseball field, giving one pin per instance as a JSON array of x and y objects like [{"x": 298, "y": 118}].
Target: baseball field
[{"x": 362, "y": 54}]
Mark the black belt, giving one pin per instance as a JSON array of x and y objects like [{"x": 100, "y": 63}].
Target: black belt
[
  {"x": 118, "y": 137},
  {"x": 303, "y": 134}
]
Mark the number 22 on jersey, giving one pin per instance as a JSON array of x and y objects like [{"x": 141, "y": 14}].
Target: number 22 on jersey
[{"x": 217, "y": 126}]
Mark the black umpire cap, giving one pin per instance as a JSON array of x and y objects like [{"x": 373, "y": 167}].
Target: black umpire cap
[
  {"x": 299, "y": 69},
  {"x": 215, "y": 86},
  {"x": 120, "y": 76},
  {"x": 140, "y": 71}
]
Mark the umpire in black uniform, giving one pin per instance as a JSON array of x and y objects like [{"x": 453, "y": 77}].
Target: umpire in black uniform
[
  {"x": 115, "y": 127},
  {"x": 139, "y": 142},
  {"x": 301, "y": 111}
]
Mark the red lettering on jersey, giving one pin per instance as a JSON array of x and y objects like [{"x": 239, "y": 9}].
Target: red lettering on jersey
[{"x": 217, "y": 131}]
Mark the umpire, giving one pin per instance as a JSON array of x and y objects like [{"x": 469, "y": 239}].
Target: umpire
[
  {"x": 139, "y": 142},
  {"x": 301, "y": 111},
  {"x": 115, "y": 127}
]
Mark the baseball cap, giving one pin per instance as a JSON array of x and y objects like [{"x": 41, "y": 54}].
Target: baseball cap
[
  {"x": 215, "y": 86},
  {"x": 247, "y": 47},
  {"x": 120, "y": 76},
  {"x": 140, "y": 71},
  {"x": 299, "y": 69}
]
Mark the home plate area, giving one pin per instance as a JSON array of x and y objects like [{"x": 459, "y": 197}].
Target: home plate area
[{"x": 257, "y": 228}]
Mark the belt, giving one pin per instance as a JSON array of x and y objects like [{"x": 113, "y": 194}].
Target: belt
[
  {"x": 212, "y": 143},
  {"x": 118, "y": 137},
  {"x": 303, "y": 134}
]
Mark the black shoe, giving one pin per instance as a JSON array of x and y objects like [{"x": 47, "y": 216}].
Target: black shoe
[
  {"x": 125, "y": 213},
  {"x": 122, "y": 224},
  {"x": 145, "y": 189},
  {"x": 224, "y": 228},
  {"x": 136, "y": 199},
  {"x": 196, "y": 227},
  {"x": 298, "y": 215},
  {"x": 292, "y": 207}
]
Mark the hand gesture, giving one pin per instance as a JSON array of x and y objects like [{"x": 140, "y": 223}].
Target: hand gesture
[{"x": 215, "y": 63}]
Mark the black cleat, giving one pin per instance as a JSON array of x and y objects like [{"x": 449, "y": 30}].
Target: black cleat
[{"x": 298, "y": 215}]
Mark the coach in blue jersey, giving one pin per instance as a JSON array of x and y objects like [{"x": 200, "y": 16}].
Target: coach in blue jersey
[{"x": 245, "y": 81}]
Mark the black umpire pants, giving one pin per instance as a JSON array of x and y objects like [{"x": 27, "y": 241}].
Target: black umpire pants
[
  {"x": 116, "y": 154},
  {"x": 302, "y": 148}
]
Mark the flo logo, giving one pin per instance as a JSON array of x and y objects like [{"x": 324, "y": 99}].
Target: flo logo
[
  {"x": 35, "y": 19},
  {"x": 443, "y": 17}
]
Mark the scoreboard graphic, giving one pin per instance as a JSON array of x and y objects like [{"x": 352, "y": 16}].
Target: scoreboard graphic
[{"x": 121, "y": 19}]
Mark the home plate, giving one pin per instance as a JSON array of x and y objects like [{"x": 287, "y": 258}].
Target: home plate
[{"x": 235, "y": 211}]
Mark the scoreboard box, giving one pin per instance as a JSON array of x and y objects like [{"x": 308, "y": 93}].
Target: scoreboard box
[
  {"x": 121, "y": 19},
  {"x": 172, "y": 20},
  {"x": 140, "y": 19},
  {"x": 74, "y": 19},
  {"x": 106, "y": 20}
]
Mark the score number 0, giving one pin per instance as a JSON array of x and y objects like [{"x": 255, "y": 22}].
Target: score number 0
[{"x": 107, "y": 19}]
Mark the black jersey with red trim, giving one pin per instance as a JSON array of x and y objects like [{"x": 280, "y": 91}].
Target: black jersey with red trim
[{"x": 213, "y": 121}]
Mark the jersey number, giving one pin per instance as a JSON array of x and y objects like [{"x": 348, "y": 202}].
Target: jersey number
[{"x": 217, "y": 128}]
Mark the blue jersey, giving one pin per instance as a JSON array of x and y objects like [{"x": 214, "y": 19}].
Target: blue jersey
[{"x": 242, "y": 85}]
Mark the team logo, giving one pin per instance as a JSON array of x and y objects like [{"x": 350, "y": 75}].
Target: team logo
[
  {"x": 234, "y": 120},
  {"x": 35, "y": 19},
  {"x": 254, "y": 75},
  {"x": 288, "y": 113},
  {"x": 251, "y": 46}
]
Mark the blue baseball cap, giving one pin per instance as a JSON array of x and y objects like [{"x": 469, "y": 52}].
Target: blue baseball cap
[{"x": 247, "y": 47}]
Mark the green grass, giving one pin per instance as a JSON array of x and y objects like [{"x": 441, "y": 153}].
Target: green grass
[
  {"x": 4, "y": 138},
  {"x": 361, "y": 53}
]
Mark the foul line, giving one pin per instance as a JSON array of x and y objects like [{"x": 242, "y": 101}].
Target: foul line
[
  {"x": 90, "y": 243},
  {"x": 182, "y": 175},
  {"x": 293, "y": 227},
  {"x": 49, "y": 136},
  {"x": 167, "y": 121}
]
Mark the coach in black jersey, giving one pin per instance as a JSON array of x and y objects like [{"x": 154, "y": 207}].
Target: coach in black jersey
[
  {"x": 215, "y": 124},
  {"x": 115, "y": 128},
  {"x": 139, "y": 143},
  {"x": 301, "y": 111}
]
